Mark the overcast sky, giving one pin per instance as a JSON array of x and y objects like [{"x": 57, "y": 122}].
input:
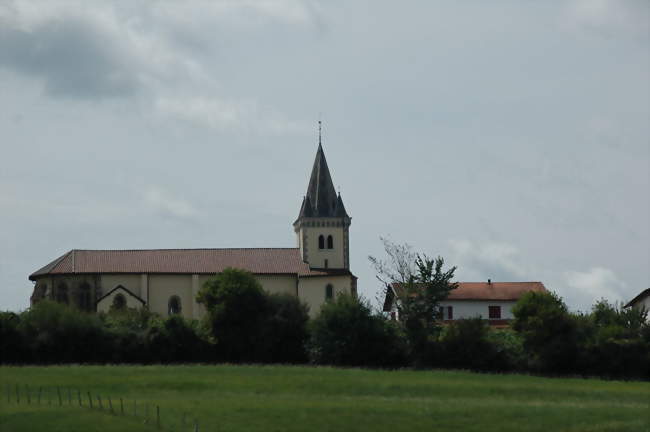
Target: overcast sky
[{"x": 510, "y": 137}]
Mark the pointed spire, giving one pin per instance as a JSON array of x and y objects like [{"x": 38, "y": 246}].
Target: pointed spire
[
  {"x": 321, "y": 199},
  {"x": 340, "y": 208}
]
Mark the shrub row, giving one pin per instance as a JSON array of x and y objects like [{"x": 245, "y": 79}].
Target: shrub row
[{"x": 545, "y": 338}]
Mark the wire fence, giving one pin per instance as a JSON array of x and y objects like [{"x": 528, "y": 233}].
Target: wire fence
[{"x": 142, "y": 410}]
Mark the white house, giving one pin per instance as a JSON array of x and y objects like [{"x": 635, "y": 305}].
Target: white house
[
  {"x": 491, "y": 301},
  {"x": 642, "y": 300}
]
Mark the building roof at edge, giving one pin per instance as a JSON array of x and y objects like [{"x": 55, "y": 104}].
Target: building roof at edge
[{"x": 641, "y": 295}]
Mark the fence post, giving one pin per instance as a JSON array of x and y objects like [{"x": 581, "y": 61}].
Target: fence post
[
  {"x": 17, "y": 395},
  {"x": 196, "y": 425},
  {"x": 40, "y": 389},
  {"x": 110, "y": 404},
  {"x": 79, "y": 397},
  {"x": 157, "y": 416},
  {"x": 69, "y": 396},
  {"x": 99, "y": 402},
  {"x": 121, "y": 406},
  {"x": 146, "y": 413},
  {"x": 90, "y": 401},
  {"x": 58, "y": 392},
  {"x": 29, "y": 397}
]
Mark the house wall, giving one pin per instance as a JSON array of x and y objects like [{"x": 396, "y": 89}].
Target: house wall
[
  {"x": 643, "y": 303},
  {"x": 311, "y": 290},
  {"x": 478, "y": 308}
]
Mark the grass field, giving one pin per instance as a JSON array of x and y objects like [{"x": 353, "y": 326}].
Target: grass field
[{"x": 280, "y": 398}]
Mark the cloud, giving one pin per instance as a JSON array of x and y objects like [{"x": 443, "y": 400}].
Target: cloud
[
  {"x": 608, "y": 17},
  {"x": 584, "y": 288},
  {"x": 112, "y": 50},
  {"x": 224, "y": 114},
  {"x": 497, "y": 261},
  {"x": 74, "y": 57},
  {"x": 163, "y": 203}
]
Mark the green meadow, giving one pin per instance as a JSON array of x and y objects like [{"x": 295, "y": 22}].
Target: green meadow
[{"x": 285, "y": 398}]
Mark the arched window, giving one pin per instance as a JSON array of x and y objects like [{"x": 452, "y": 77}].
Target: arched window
[
  {"x": 119, "y": 302},
  {"x": 330, "y": 242},
  {"x": 321, "y": 242},
  {"x": 84, "y": 297},
  {"x": 329, "y": 292},
  {"x": 174, "y": 305},
  {"x": 62, "y": 293}
]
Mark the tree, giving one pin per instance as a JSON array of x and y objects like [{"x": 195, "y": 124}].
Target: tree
[
  {"x": 548, "y": 330},
  {"x": 347, "y": 333},
  {"x": 287, "y": 331},
  {"x": 237, "y": 311},
  {"x": 420, "y": 284}
]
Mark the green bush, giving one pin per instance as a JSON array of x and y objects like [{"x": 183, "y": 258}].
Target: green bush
[
  {"x": 347, "y": 333},
  {"x": 464, "y": 345},
  {"x": 508, "y": 347},
  {"x": 548, "y": 331},
  {"x": 56, "y": 333},
  {"x": 286, "y": 329},
  {"x": 12, "y": 349}
]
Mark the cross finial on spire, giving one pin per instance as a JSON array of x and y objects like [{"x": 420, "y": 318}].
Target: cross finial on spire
[{"x": 320, "y": 124}]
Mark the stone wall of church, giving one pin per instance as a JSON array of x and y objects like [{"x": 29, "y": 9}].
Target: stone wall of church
[
  {"x": 312, "y": 290},
  {"x": 110, "y": 281},
  {"x": 163, "y": 286},
  {"x": 315, "y": 256},
  {"x": 80, "y": 291}
]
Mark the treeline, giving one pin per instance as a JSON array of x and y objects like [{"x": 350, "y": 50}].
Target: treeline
[{"x": 246, "y": 325}]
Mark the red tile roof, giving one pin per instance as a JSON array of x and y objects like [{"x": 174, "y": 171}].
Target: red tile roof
[
  {"x": 482, "y": 291},
  {"x": 194, "y": 261},
  {"x": 494, "y": 290}
]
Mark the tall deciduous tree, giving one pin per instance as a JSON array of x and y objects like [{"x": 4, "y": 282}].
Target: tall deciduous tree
[{"x": 420, "y": 284}]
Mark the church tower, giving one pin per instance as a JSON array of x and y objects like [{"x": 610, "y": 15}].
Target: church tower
[{"x": 322, "y": 227}]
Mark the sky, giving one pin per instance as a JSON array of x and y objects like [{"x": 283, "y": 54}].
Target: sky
[{"x": 510, "y": 137}]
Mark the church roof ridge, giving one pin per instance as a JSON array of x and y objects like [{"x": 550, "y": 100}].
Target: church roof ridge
[
  {"x": 185, "y": 261},
  {"x": 176, "y": 249}
]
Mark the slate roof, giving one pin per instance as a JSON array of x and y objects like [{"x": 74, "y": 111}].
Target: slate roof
[
  {"x": 321, "y": 199},
  {"x": 184, "y": 261},
  {"x": 481, "y": 291}
]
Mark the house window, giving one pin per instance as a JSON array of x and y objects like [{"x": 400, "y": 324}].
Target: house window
[
  {"x": 62, "y": 294},
  {"x": 330, "y": 242},
  {"x": 329, "y": 292},
  {"x": 321, "y": 242},
  {"x": 445, "y": 313},
  {"x": 84, "y": 297},
  {"x": 174, "y": 305},
  {"x": 494, "y": 312},
  {"x": 119, "y": 302}
]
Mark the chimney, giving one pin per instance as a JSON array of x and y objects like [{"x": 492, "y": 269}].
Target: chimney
[{"x": 489, "y": 281}]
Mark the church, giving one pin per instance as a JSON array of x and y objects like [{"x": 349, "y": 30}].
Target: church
[{"x": 167, "y": 280}]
